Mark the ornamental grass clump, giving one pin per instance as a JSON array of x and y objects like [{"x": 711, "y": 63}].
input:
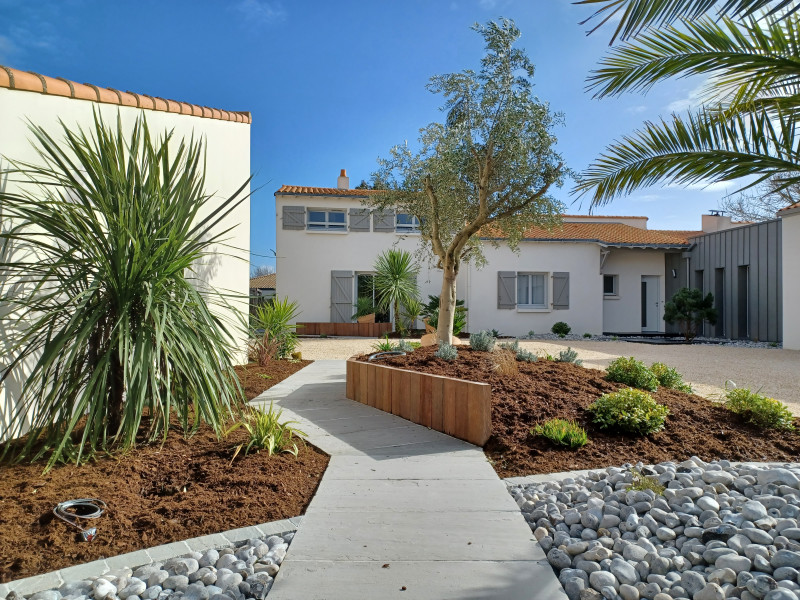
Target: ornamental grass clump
[
  {"x": 279, "y": 338},
  {"x": 758, "y": 409},
  {"x": 266, "y": 431},
  {"x": 446, "y": 352},
  {"x": 670, "y": 378},
  {"x": 504, "y": 362},
  {"x": 113, "y": 233},
  {"x": 562, "y": 433},
  {"x": 629, "y": 410},
  {"x": 483, "y": 341},
  {"x": 521, "y": 354},
  {"x": 632, "y": 372},
  {"x": 643, "y": 482}
]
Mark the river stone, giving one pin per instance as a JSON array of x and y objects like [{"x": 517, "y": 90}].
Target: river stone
[
  {"x": 628, "y": 592},
  {"x": 752, "y": 510},
  {"x": 780, "y": 594},
  {"x": 786, "y": 558},
  {"x": 707, "y": 503},
  {"x": 692, "y": 582},
  {"x": 757, "y": 536},
  {"x": 174, "y": 581},
  {"x": 151, "y": 593},
  {"x": 761, "y": 585},
  {"x": 734, "y": 562},
  {"x": 558, "y": 559},
  {"x": 784, "y": 476},
  {"x": 103, "y": 589},
  {"x": 157, "y": 578},
  {"x": 600, "y": 579},
  {"x": 135, "y": 587},
  {"x": 634, "y": 552},
  {"x": 573, "y": 587},
  {"x": 623, "y": 571},
  {"x": 47, "y": 595}
]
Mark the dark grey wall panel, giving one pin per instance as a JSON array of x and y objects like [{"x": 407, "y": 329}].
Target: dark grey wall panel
[{"x": 757, "y": 247}]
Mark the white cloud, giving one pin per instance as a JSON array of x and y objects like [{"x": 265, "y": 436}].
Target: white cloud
[
  {"x": 487, "y": 4},
  {"x": 647, "y": 198},
  {"x": 7, "y": 48},
  {"x": 636, "y": 109},
  {"x": 692, "y": 100},
  {"x": 717, "y": 187},
  {"x": 261, "y": 11}
]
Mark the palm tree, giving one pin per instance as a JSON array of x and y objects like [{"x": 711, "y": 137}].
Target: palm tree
[
  {"x": 750, "y": 52},
  {"x": 395, "y": 283},
  {"x": 102, "y": 243}
]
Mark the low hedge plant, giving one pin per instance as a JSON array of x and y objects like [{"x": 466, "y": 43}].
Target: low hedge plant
[
  {"x": 632, "y": 372},
  {"x": 629, "y": 410},
  {"x": 758, "y": 409}
]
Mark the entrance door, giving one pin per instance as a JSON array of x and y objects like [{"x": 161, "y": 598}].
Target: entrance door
[{"x": 650, "y": 303}]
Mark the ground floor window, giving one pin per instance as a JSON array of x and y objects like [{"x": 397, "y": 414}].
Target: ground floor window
[
  {"x": 532, "y": 290},
  {"x": 610, "y": 285}
]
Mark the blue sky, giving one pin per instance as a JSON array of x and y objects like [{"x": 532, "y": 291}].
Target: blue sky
[{"x": 334, "y": 85}]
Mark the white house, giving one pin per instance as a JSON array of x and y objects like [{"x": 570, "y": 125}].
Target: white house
[
  {"x": 598, "y": 274},
  {"x": 29, "y": 97}
]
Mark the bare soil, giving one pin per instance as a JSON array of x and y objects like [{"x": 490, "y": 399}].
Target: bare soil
[
  {"x": 545, "y": 390},
  {"x": 156, "y": 494}
]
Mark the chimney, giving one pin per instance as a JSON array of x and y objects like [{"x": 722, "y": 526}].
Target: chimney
[
  {"x": 343, "y": 183},
  {"x": 716, "y": 221}
]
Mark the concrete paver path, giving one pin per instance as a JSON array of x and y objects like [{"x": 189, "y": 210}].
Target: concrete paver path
[{"x": 402, "y": 511}]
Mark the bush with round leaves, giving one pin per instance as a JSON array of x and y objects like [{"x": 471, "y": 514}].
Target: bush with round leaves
[{"x": 629, "y": 410}]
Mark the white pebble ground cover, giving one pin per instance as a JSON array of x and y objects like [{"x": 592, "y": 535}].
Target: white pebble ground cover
[
  {"x": 243, "y": 572},
  {"x": 718, "y": 531}
]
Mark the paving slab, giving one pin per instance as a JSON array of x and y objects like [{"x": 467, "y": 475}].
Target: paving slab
[
  {"x": 402, "y": 510},
  {"x": 435, "y": 580}
]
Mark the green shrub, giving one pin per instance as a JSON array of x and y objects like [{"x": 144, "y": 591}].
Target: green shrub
[
  {"x": 531, "y": 333},
  {"x": 404, "y": 346},
  {"x": 587, "y": 335},
  {"x": 670, "y": 378},
  {"x": 629, "y": 410},
  {"x": 267, "y": 432},
  {"x": 643, "y": 482},
  {"x": 447, "y": 352},
  {"x": 364, "y": 306},
  {"x": 630, "y": 371},
  {"x": 758, "y": 409},
  {"x": 513, "y": 346},
  {"x": 482, "y": 341},
  {"x": 561, "y": 432},
  {"x": 561, "y": 328},
  {"x": 689, "y": 308},
  {"x": 495, "y": 333},
  {"x": 430, "y": 311},
  {"x": 569, "y": 356}
]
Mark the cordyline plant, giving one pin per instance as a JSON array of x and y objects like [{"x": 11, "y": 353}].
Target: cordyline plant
[
  {"x": 100, "y": 249},
  {"x": 491, "y": 162}
]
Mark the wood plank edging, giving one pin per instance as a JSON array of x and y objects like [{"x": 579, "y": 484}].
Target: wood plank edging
[{"x": 456, "y": 407}]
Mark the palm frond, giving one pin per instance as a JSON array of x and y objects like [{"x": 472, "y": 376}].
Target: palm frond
[
  {"x": 637, "y": 16},
  {"x": 703, "y": 147},
  {"x": 745, "y": 62}
]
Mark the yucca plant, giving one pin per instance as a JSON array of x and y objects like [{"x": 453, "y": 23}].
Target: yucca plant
[
  {"x": 102, "y": 246},
  {"x": 395, "y": 283},
  {"x": 266, "y": 431},
  {"x": 275, "y": 334}
]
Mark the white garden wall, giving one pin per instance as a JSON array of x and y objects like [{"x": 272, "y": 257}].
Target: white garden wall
[{"x": 791, "y": 278}]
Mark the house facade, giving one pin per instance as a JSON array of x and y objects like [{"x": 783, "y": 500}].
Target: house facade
[
  {"x": 597, "y": 274},
  {"x": 46, "y": 101}
]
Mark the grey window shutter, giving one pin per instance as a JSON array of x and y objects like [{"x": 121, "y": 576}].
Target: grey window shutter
[
  {"x": 342, "y": 296},
  {"x": 506, "y": 289},
  {"x": 359, "y": 219},
  {"x": 560, "y": 291},
  {"x": 383, "y": 220},
  {"x": 294, "y": 217}
]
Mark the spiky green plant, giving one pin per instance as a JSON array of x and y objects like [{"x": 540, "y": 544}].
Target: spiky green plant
[
  {"x": 272, "y": 322},
  {"x": 395, "y": 282},
  {"x": 562, "y": 433},
  {"x": 266, "y": 431},
  {"x": 102, "y": 246}
]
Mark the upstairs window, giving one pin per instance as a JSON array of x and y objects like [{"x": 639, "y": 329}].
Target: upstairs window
[
  {"x": 406, "y": 223},
  {"x": 532, "y": 290},
  {"x": 326, "y": 220}
]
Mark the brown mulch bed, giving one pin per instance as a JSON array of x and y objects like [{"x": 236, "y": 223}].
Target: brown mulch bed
[
  {"x": 544, "y": 390},
  {"x": 155, "y": 494}
]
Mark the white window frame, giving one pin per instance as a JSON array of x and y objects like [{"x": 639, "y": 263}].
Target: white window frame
[
  {"x": 406, "y": 228},
  {"x": 615, "y": 293},
  {"x": 326, "y": 225},
  {"x": 545, "y": 306}
]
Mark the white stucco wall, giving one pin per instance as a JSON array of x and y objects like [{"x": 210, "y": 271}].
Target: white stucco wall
[
  {"x": 791, "y": 279},
  {"x": 227, "y": 147},
  {"x": 623, "y": 314},
  {"x": 580, "y": 260}
]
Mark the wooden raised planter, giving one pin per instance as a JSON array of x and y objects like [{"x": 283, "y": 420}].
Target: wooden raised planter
[
  {"x": 351, "y": 329},
  {"x": 456, "y": 407}
]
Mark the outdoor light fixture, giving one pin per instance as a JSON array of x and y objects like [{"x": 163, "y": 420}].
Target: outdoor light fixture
[{"x": 674, "y": 273}]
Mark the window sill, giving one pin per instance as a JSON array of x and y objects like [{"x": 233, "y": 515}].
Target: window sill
[
  {"x": 414, "y": 233},
  {"x": 532, "y": 309},
  {"x": 328, "y": 231},
  {"x": 610, "y": 297}
]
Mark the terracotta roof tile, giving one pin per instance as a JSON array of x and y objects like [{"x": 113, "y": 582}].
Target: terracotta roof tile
[
  {"x": 263, "y": 281},
  {"x": 790, "y": 207},
  {"x": 319, "y": 191},
  {"x": 14, "y": 79},
  {"x": 605, "y": 233}
]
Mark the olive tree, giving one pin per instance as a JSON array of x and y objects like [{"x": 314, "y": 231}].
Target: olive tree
[{"x": 484, "y": 172}]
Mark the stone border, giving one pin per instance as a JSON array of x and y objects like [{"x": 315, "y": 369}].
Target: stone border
[{"x": 54, "y": 579}]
